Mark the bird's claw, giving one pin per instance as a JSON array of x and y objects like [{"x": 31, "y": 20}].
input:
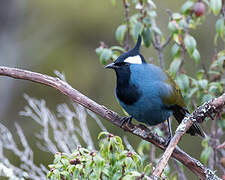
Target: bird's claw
[
  {"x": 126, "y": 120},
  {"x": 167, "y": 140}
]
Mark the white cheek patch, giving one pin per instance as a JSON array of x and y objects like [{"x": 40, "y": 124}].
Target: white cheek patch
[{"x": 134, "y": 60}]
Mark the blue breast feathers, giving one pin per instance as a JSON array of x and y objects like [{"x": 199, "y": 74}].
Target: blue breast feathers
[{"x": 150, "y": 81}]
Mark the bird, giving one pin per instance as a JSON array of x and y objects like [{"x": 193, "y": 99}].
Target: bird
[{"x": 148, "y": 93}]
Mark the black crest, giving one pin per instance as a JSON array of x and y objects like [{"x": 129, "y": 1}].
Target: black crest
[{"x": 138, "y": 45}]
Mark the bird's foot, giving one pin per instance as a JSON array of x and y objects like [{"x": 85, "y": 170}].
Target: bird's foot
[
  {"x": 126, "y": 120},
  {"x": 167, "y": 140}
]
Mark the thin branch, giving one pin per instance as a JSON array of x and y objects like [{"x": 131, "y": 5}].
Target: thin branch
[
  {"x": 126, "y": 7},
  {"x": 157, "y": 45},
  {"x": 152, "y": 154},
  {"x": 167, "y": 41},
  {"x": 221, "y": 145},
  {"x": 98, "y": 121},
  {"x": 211, "y": 107},
  {"x": 138, "y": 130},
  {"x": 127, "y": 143}
]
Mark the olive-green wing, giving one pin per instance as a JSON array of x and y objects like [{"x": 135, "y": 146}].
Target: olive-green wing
[{"x": 175, "y": 97}]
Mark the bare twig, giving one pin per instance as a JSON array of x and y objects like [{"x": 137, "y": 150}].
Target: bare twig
[
  {"x": 82, "y": 116},
  {"x": 138, "y": 130},
  {"x": 26, "y": 155},
  {"x": 211, "y": 107},
  {"x": 158, "y": 46},
  {"x": 221, "y": 145},
  {"x": 127, "y": 143},
  {"x": 167, "y": 41},
  {"x": 126, "y": 7},
  {"x": 98, "y": 121},
  {"x": 152, "y": 154}
]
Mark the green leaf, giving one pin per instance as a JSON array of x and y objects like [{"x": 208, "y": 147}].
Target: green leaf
[
  {"x": 220, "y": 28},
  {"x": 105, "y": 55},
  {"x": 183, "y": 81},
  {"x": 119, "y": 143},
  {"x": 200, "y": 74},
  {"x": 176, "y": 38},
  {"x": 216, "y": 38},
  {"x": 206, "y": 97},
  {"x": 192, "y": 92},
  {"x": 219, "y": 86},
  {"x": 147, "y": 36},
  {"x": 183, "y": 24},
  {"x": 174, "y": 66},
  {"x": 102, "y": 133},
  {"x": 205, "y": 155},
  {"x": 221, "y": 61},
  {"x": 152, "y": 13},
  {"x": 214, "y": 72},
  {"x": 196, "y": 56},
  {"x": 148, "y": 169},
  {"x": 120, "y": 33},
  {"x": 65, "y": 173},
  {"x": 173, "y": 26},
  {"x": 118, "y": 48},
  {"x": 136, "y": 29},
  {"x": 176, "y": 16},
  {"x": 190, "y": 43},
  {"x": 57, "y": 158},
  {"x": 175, "y": 50},
  {"x": 99, "y": 51},
  {"x": 220, "y": 25},
  {"x": 203, "y": 83},
  {"x": 115, "y": 56},
  {"x": 212, "y": 89},
  {"x": 65, "y": 162},
  {"x": 142, "y": 146},
  {"x": 216, "y": 6},
  {"x": 187, "y": 6},
  {"x": 56, "y": 173},
  {"x": 49, "y": 174}
]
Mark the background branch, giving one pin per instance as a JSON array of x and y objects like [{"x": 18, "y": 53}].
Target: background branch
[
  {"x": 138, "y": 130},
  {"x": 212, "y": 107}
]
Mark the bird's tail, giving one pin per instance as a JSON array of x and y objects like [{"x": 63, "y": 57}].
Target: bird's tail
[{"x": 179, "y": 113}]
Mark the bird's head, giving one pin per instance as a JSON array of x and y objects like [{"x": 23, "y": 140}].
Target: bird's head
[{"x": 132, "y": 56}]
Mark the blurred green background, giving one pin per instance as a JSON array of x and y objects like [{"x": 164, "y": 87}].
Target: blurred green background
[{"x": 46, "y": 35}]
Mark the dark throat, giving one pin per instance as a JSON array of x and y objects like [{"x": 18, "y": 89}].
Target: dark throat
[{"x": 126, "y": 92}]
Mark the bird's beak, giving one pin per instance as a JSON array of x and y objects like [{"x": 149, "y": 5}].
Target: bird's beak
[{"x": 110, "y": 66}]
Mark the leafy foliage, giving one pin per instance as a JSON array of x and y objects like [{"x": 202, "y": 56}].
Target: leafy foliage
[{"x": 112, "y": 161}]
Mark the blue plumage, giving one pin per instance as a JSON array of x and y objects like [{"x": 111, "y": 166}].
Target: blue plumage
[
  {"x": 149, "y": 108},
  {"x": 146, "y": 92}
]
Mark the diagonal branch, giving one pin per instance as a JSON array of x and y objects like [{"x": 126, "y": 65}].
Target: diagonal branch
[
  {"x": 209, "y": 108},
  {"x": 138, "y": 130}
]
